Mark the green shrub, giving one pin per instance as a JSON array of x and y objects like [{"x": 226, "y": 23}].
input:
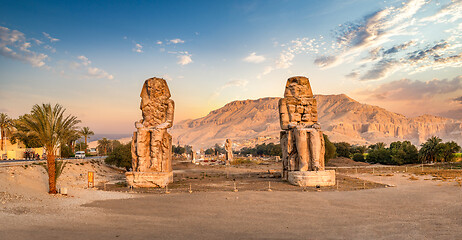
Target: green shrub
[
  {"x": 121, "y": 156},
  {"x": 358, "y": 157},
  {"x": 343, "y": 149},
  {"x": 331, "y": 150},
  {"x": 237, "y": 161},
  {"x": 379, "y": 155}
]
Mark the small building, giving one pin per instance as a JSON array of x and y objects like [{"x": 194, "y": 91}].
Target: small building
[{"x": 18, "y": 150}]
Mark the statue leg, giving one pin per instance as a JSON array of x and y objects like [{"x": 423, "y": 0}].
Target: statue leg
[
  {"x": 287, "y": 148},
  {"x": 315, "y": 149},
  {"x": 166, "y": 152},
  {"x": 156, "y": 150},
  {"x": 302, "y": 149},
  {"x": 142, "y": 149},
  {"x": 134, "y": 156}
]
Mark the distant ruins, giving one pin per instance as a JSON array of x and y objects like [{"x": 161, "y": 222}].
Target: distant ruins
[
  {"x": 229, "y": 151},
  {"x": 302, "y": 142},
  {"x": 151, "y": 143}
]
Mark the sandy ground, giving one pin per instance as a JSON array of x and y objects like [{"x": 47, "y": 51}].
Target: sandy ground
[{"x": 416, "y": 208}]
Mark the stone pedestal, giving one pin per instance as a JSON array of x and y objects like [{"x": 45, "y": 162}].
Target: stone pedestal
[
  {"x": 312, "y": 178},
  {"x": 149, "y": 179}
]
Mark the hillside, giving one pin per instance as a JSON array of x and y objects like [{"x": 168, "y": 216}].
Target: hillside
[{"x": 342, "y": 118}]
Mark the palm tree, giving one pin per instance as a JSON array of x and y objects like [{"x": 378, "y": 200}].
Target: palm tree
[
  {"x": 52, "y": 128},
  {"x": 104, "y": 144},
  {"x": 72, "y": 138},
  {"x": 22, "y": 134},
  {"x": 5, "y": 127},
  {"x": 429, "y": 149},
  {"x": 446, "y": 151},
  {"x": 86, "y": 133}
]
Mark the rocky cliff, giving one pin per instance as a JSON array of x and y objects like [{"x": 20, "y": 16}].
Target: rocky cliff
[{"x": 342, "y": 119}]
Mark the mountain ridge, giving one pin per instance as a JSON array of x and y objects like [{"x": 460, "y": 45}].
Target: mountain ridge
[{"x": 341, "y": 117}]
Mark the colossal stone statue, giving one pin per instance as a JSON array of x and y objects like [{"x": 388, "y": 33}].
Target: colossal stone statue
[
  {"x": 302, "y": 142},
  {"x": 193, "y": 156},
  {"x": 151, "y": 143},
  {"x": 229, "y": 151}
]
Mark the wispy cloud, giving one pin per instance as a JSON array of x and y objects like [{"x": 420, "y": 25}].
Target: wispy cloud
[
  {"x": 381, "y": 70},
  {"x": 285, "y": 58},
  {"x": 374, "y": 30},
  {"x": 176, "y": 41},
  {"x": 138, "y": 48},
  {"x": 382, "y": 28},
  {"x": 85, "y": 61},
  {"x": 84, "y": 66},
  {"x": 414, "y": 97},
  {"x": 50, "y": 48},
  {"x": 232, "y": 83},
  {"x": 450, "y": 12},
  {"x": 52, "y": 39},
  {"x": 398, "y": 48},
  {"x": 406, "y": 89},
  {"x": 13, "y": 44},
  {"x": 381, "y": 43},
  {"x": 458, "y": 99},
  {"x": 254, "y": 58},
  {"x": 159, "y": 42},
  {"x": 184, "y": 58},
  {"x": 94, "y": 72}
]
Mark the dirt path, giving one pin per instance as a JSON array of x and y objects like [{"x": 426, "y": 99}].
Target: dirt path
[{"x": 416, "y": 209}]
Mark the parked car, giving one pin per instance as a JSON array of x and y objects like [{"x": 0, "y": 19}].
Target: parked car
[{"x": 80, "y": 154}]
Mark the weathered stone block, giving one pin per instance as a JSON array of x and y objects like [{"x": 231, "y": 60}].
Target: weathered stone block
[
  {"x": 149, "y": 179},
  {"x": 312, "y": 178},
  {"x": 295, "y": 117}
]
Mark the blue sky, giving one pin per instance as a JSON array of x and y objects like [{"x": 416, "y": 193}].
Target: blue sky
[{"x": 93, "y": 56}]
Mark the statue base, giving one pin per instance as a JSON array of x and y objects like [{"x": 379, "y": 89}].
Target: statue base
[
  {"x": 149, "y": 179},
  {"x": 312, "y": 178}
]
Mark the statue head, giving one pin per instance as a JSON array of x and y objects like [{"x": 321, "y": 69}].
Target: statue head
[
  {"x": 298, "y": 87},
  {"x": 155, "y": 88}
]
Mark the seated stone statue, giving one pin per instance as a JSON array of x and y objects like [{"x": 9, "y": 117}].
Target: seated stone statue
[
  {"x": 151, "y": 144},
  {"x": 302, "y": 141}
]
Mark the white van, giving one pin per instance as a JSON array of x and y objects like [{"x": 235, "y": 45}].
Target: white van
[{"x": 80, "y": 154}]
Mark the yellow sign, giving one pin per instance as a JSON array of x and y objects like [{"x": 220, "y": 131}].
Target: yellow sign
[{"x": 91, "y": 179}]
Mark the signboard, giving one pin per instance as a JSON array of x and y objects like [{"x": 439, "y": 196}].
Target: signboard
[{"x": 91, "y": 179}]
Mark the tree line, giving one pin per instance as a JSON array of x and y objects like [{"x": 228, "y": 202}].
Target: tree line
[
  {"x": 399, "y": 153},
  {"x": 265, "y": 150}
]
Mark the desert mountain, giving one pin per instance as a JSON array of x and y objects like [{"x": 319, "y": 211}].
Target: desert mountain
[{"x": 342, "y": 119}]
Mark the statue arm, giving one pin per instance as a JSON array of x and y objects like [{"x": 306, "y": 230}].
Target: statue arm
[
  {"x": 170, "y": 113},
  {"x": 169, "y": 116},
  {"x": 283, "y": 114}
]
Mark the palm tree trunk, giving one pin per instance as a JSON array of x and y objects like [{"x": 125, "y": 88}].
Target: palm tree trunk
[
  {"x": 72, "y": 147},
  {"x": 85, "y": 144},
  {"x": 3, "y": 135},
  {"x": 51, "y": 172}
]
